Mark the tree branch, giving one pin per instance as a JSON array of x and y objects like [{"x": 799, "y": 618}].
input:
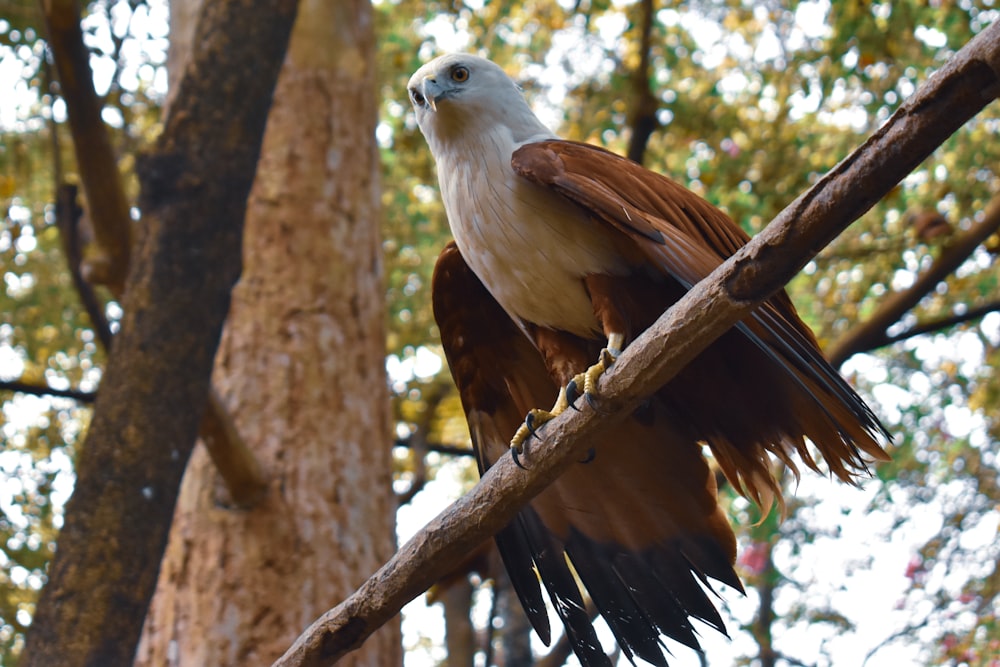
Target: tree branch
[
  {"x": 106, "y": 202},
  {"x": 933, "y": 326},
  {"x": 643, "y": 120},
  {"x": 948, "y": 99},
  {"x": 45, "y": 390},
  {"x": 450, "y": 450},
  {"x": 68, "y": 214},
  {"x": 433, "y": 395},
  {"x": 871, "y": 334},
  {"x": 238, "y": 467}
]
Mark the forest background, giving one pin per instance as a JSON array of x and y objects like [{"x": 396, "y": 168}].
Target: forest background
[{"x": 329, "y": 383}]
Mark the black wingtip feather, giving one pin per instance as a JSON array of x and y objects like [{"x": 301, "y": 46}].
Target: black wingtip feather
[
  {"x": 516, "y": 554},
  {"x": 553, "y": 569},
  {"x": 644, "y": 595}
]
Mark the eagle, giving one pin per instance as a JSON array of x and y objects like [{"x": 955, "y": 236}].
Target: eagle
[{"x": 564, "y": 253}]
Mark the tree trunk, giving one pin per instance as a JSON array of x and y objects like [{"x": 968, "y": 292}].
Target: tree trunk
[
  {"x": 301, "y": 369},
  {"x": 194, "y": 186}
]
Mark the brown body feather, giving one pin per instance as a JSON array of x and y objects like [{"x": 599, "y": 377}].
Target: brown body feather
[
  {"x": 640, "y": 523},
  {"x": 764, "y": 387}
]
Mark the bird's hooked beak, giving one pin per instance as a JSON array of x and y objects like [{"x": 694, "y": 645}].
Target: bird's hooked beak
[{"x": 432, "y": 91}]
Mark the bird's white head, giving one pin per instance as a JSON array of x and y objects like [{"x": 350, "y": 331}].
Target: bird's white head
[{"x": 460, "y": 95}]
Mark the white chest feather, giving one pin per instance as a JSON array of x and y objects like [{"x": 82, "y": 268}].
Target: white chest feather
[{"x": 529, "y": 246}]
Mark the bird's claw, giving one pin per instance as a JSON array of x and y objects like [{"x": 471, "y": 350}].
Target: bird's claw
[
  {"x": 532, "y": 422},
  {"x": 592, "y": 375},
  {"x": 519, "y": 443},
  {"x": 567, "y": 397},
  {"x": 517, "y": 457},
  {"x": 573, "y": 392}
]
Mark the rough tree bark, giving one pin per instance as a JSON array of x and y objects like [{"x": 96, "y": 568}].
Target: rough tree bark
[
  {"x": 301, "y": 369},
  {"x": 194, "y": 188}
]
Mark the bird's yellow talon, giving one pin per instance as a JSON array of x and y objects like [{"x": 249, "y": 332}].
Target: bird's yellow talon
[{"x": 533, "y": 421}]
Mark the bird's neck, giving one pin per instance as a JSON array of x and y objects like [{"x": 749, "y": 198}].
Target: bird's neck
[
  {"x": 529, "y": 246},
  {"x": 456, "y": 133}
]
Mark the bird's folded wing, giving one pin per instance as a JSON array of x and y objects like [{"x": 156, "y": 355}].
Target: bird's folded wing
[
  {"x": 687, "y": 238},
  {"x": 639, "y": 525}
]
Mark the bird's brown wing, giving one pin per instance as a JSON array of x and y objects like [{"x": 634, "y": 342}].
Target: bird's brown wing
[
  {"x": 764, "y": 389},
  {"x": 640, "y": 523}
]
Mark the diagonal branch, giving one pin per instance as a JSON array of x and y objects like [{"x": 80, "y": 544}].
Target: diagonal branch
[
  {"x": 68, "y": 215},
  {"x": 933, "y": 326},
  {"x": 239, "y": 469},
  {"x": 106, "y": 202},
  {"x": 872, "y": 333},
  {"x": 957, "y": 92}
]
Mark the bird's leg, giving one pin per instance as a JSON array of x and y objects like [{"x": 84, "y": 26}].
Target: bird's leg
[
  {"x": 588, "y": 379},
  {"x": 568, "y": 393},
  {"x": 534, "y": 419},
  {"x": 564, "y": 355}
]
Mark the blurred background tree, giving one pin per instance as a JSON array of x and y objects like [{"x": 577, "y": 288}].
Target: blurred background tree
[{"x": 744, "y": 103}]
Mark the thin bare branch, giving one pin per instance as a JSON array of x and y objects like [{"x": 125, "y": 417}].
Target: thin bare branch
[
  {"x": 68, "y": 214},
  {"x": 947, "y": 100},
  {"x": 871, "y": 334},
  {"x": 450, "y": 450},
  {"x": 934, "y": 326},
  {"x": 45, "y": 390},
  {"x": 908, "y": 631},
  {"x": 107, "y": 204},
  {"x": 417, "y": 443},
  {"x": 433, "y": 396}
]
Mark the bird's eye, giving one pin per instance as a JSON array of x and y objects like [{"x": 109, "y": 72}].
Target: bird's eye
[
  {"x": 417, "y": 97},
  {"x": 460, "y": 74}
]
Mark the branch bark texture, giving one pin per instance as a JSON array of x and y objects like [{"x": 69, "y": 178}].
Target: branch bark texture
[
  {"x": 943, "y": 104},
  {"x": 194, "y": 184}
]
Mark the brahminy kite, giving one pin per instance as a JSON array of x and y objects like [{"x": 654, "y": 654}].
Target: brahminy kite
[{"x": 563, "y": 254}]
